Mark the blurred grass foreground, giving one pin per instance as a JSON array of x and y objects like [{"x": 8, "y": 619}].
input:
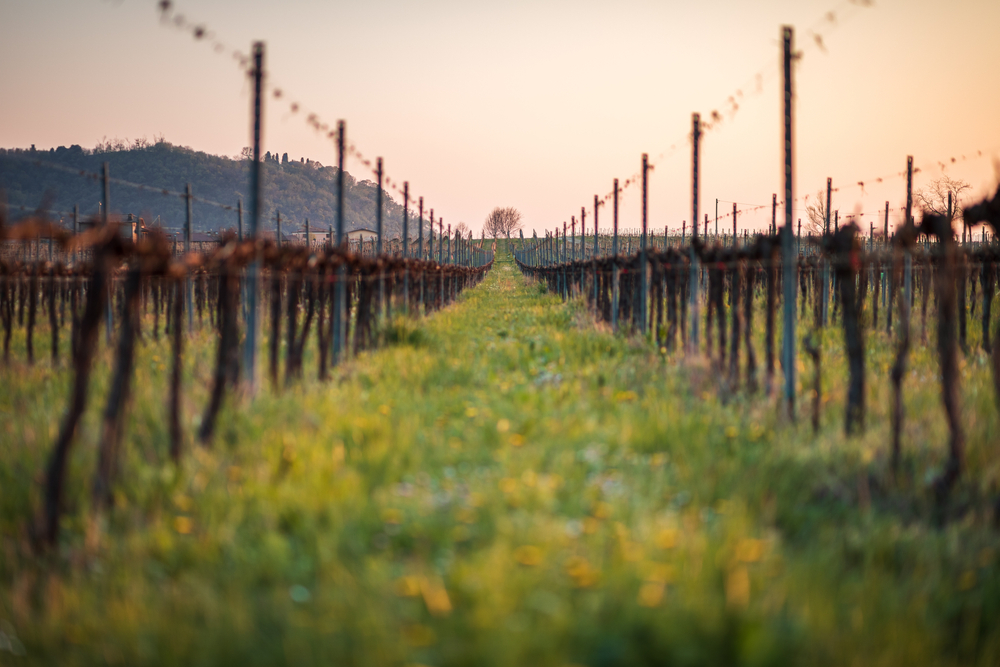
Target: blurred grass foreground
[{"x": 505, "y": 484}]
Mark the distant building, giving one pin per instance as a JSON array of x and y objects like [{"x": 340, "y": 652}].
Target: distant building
[
  {"x": 130, "y": 226},
  {"x": 362, "y": 234},
  {"x": 316, "y": 237}
]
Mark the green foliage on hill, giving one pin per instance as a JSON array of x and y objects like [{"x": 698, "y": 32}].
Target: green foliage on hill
[{"x": 298, "y": 189}]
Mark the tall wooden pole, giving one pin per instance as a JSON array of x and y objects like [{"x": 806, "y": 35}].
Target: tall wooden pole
[
  {"x": 378, "y": 205},
  {"x": 643, "y": 261},
  {"x": 187, "y": 251},
  {"x": 338, "y": 341},
  {"x": 908, "y": 265},
  {"x": 695, "y": 269},
  {"x": 826, "y": 265},
  {"x": 406, "y": 218},
  {"x": 734, "y": 224},
  {"x": 253, "y": 273},
  {"x": 788, "y": 242},
  {"x": 420, "y": 229},
  {"x": 341, "y": 140},
  {"x": 105, "y": 212},
  {"x": 774, "y": 213}
]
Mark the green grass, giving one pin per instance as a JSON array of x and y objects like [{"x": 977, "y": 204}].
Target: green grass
[{"x": 506, "y": 484}]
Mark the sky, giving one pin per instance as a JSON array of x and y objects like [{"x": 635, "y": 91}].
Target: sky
[{"x": 531, "y": 103}]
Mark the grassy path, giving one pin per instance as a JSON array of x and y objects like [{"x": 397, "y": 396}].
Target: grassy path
[{"x": 505, "y": 485}]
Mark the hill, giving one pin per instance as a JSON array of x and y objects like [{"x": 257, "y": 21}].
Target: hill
[{"x": 298, "y": 189}]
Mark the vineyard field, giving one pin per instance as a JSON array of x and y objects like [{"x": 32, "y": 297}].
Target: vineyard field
[{"x": 506, "y": 482}]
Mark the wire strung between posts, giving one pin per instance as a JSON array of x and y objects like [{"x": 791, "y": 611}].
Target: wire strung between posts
[
  {"x": 754, "y": 208},
  {"x": 199, "y": 31},
  {"x": 716, "y": 118}
]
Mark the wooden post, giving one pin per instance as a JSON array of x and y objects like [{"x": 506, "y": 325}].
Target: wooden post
[
  {"x": 787, "y": 246},
  {"x": 695, "y": 270},
  {"x": 378, "y": 232},
  {"x": 885, "y": 229},
  {"x": 964, "y": 226},
  {"x": 378, "y": 206},
  {"x": 643, "y": 261},
  {"x": 256, "y": 188},
  {"x": 187, "y": 250},
  {"x": 406, "y": 247},
  {"x": 338, "y": 341},
  {"x": 774, "y": 213},
  {"x": 826, "y": 213},
  {"x": 825, "y": 289},
  {"x": 908, "y": 267},
  {"x": 106, "y": 196},
  {"x": 734, "y": 224},
  {"x": 406, "y": 218}
]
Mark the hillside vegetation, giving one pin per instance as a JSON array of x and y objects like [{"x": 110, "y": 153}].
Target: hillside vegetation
[{"x": 298, "y": 189}]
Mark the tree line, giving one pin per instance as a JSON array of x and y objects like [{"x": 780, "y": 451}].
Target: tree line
[{"x": 298, "y": 189}]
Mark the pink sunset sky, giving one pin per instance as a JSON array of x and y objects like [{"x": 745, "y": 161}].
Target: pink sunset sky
[{"x": 534, "y": 104}]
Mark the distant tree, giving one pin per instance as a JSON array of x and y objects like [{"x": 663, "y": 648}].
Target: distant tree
[
  {"x": 267, "y": 156},
  {"x": 934, "y": 197},
  {"x": 462, "y": 229},
  {"x": 816, "y": 214},
  {"x": 284, "y": 158},
  {"x": 246, "y": 153},
  {"x": 502, "y": 222}
]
